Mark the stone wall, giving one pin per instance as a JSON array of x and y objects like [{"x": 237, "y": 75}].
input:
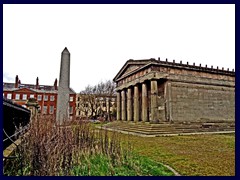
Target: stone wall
[{"x": 194, "y": 102}]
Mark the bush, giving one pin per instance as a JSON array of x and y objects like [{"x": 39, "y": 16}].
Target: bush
[{"x": 76, "y": 149}]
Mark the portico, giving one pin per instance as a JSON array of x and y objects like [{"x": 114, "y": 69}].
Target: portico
[{"x": 138, "y": 103}]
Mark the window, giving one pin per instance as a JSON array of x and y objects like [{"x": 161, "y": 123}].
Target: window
[
  {"x": 17, "y": 96},
  {"x": 51, "y": 109},
  {"x": 70, "y": 109},
  {"x": 9, "y": 96},
  {"x": 44, "y": 109},
  {"x": 39, "y": 109},
  {"x": 51, "y": 98},
  {"x": 45, "y": 97},
  {"x": 24, "y": 97},
  {"x": 78, "y": 98},
  {"x": 39, "y": 97},
  {"x": 71, "y": 99},
  {"x": 31, "y": 95}
]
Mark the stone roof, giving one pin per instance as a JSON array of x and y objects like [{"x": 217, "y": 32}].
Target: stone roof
[{"x": 143, "y": 63}]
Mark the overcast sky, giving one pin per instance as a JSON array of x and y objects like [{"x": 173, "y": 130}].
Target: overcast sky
[{"x": 101, "y": 38}]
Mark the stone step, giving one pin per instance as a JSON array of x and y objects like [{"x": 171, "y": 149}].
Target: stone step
[
  {"x": 172, "y": 128},
  {"x": 157, "y": 129},
  {"x": 172, "y": 125},
  {"x": 146, "y": 130}
]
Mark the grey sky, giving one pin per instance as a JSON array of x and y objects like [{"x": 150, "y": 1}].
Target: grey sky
[{"x": 101, "y": 38}]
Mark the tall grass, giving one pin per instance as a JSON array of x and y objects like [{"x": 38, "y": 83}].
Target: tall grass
[{"x": 76, "y": 149}]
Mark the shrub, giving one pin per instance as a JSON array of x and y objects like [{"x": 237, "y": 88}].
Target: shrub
[{"x": 75, "y": 149}]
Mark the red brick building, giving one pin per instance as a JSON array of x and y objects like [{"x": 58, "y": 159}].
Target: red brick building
[{"x": 44, "y": 94}]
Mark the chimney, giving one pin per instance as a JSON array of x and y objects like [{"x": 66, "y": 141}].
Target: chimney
[
  {"x": 55, "y": 84},
  {"x": 16, "y": 81},
  {"x": 37, "y": 83}
]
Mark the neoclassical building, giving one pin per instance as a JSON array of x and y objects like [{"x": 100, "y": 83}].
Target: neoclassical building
[{"x": 158, "y": 91}]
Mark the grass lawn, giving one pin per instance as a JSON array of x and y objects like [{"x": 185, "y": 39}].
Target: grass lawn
[{"x": 195, "y": 155}]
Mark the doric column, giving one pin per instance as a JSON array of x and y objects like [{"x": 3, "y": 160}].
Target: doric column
[
  {"x": 144, "y": 103},
  {"x": 129, "y": 104},
  {"x": 136, "y": 104},
  {"x": 118, "y": 106},
  {"x": 123, "y": 97},
  {"x": 154, "y": 107}
]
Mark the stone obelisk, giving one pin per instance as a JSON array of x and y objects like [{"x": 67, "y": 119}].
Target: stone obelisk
[{"x": 63, "y": 88}]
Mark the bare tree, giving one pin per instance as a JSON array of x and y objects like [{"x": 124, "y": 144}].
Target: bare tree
[{"x": 94, "y": 97}]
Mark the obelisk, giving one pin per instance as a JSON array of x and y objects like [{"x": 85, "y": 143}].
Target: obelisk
[{"x": 63, "y": 88}]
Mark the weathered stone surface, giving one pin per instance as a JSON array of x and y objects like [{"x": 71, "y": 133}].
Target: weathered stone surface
[
  {"x": 193, "y": 102},
  {"x": 154, "y": 106},
  {"x": 129, "y": 105},
  {"x": 118, "y": 106},
  {"x": 123, "y": 97},
  {"x": 136, "y": 104},
  {"x": 176, "y": 92},
  {"x": 63, "y": 88},
  {"x": 144, "y": 103}
]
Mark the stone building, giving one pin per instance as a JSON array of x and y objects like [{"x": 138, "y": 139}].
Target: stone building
[
  {"x": 46, "y": 96},
  {"x": 158, "y": 91},
  {"x": 95, "y": 106}
]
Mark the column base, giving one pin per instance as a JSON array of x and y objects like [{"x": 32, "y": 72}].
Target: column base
[{"x": 154, "y": 122}]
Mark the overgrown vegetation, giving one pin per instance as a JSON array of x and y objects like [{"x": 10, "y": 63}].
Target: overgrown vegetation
[{"x": 77, "y": 149}]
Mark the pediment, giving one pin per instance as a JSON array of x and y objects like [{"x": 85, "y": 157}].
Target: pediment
[
  {"x": 131, "y": 66},
  {"x": 25, "y": 90}
]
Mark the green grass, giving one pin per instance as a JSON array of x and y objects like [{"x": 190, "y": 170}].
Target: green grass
[
  {"x": 100, "y": 165},
  {"x": 195, "y": 155},
  {"x": 78, "y": 150}
]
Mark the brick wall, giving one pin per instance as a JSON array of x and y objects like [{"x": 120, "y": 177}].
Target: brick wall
[{"x": 192, "y": 102}]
